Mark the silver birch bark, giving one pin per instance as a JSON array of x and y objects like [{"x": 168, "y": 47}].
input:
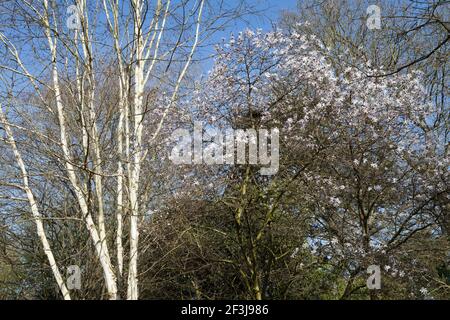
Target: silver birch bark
[{"x": 34, "y": 208}]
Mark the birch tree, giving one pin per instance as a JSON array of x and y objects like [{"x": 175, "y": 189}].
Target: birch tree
[
  {"x": 104, "y": 138},
  {"x": 34, "y": 207}
]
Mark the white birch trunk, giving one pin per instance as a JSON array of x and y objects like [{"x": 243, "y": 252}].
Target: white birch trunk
[
  {"x": 34, "y": 209},
  {"x": 100, "y": 246},
  {"x": 132, "y": 290}
]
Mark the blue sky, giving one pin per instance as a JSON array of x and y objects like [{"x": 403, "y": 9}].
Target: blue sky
[
  {"x": 270, "y": 14},
  {"x": 272, "y": 10}
]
